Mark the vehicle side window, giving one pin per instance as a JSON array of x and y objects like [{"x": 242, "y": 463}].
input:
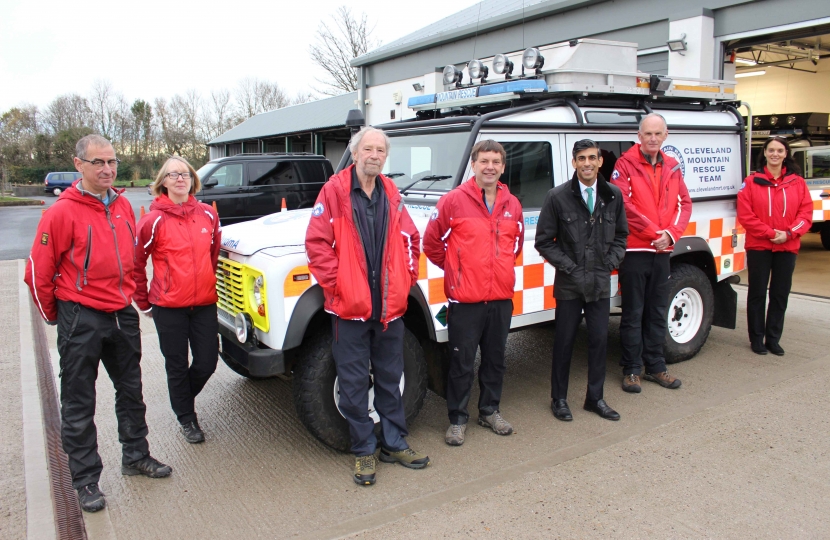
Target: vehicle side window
[
  {"x": 528, "y": 172},
  {"x": 229, "y": 175},
  {"x": 818, "y": 164},
  {"x": 271, "y": 173},
  {"x": 613, "y": 117},
  {"x": 611, "y": 152},
  {"x": 312, "y": 172}
]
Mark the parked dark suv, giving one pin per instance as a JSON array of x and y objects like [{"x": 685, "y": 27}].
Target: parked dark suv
[
  {"x": 249, "y": 186},
  {"x": 55, "y": 182}
]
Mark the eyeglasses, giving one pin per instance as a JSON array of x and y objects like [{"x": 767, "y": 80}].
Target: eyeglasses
[
  {"x": 99, "y": 163},
  {"x": 176, "y": 175}
]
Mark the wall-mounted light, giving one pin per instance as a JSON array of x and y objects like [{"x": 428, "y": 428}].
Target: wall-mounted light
[
  {"x": 678, "y": 45},
  {"x": 751, "y": 74},
  {"x": 746, "y": 61},
  {"x": 418, "y": 87}
]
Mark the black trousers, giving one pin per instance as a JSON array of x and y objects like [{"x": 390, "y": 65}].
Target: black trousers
[
  {"x": 85, "y": 337},
  {"x": 472, "y": 326},
  {"x": 761, "y": 265},
  {"x": 358, "y": 346},
  {"x": 176, "y": 328},
  {"x": 644, "y": 283},
  {"x": 568, "y": 315}
]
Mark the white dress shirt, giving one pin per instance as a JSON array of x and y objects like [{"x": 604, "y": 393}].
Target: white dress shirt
[{"x": 583, "y": 187}]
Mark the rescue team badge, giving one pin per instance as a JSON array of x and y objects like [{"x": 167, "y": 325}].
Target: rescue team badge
[
  {"x": 44, "y": 239},
  {"x": 615, "y": 175},
  {"x": 318, "y": 210},
  {"x": 434, "y": 215},
  {"x": 672, "y": 151}
]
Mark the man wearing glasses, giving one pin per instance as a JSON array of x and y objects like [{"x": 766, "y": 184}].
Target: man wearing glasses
[{"x": 80, "y": 276}]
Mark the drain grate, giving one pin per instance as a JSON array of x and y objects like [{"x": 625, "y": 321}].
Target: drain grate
[{"x": 70, "y": 521}]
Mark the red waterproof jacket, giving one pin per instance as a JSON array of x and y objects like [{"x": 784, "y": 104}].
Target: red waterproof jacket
[
  {"x": 476, "y": 249},
  {"x": 83, "y": 252},
  {"x": 184, "y": 241},
  {"x": 670, "y": 212},
  {"x": 766, "y": 203},
  {"x": 338, "y": 261}
]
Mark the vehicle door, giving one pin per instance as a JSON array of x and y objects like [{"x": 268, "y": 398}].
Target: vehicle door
[
  {"x": 313, "y": 174},
  {"x": 269, "y": 182},
  {"x": 529, "y": 173},
  {"x": 225, "y": 186}
]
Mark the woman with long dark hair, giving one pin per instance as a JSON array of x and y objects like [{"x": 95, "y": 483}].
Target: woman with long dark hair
[
  {"x": 775, "y": 208},
  {"x": 182, "y": 236}
]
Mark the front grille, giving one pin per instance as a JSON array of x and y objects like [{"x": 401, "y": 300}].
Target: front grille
[{"x": 229, "y": 286}]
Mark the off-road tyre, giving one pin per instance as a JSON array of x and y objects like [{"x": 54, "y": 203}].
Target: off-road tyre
[
  {"x": 824, "y": 232},
  {"x": 690, "y": 292},
  {"x": 313, "y": 388},
  {"x": 239, "y": 370}
]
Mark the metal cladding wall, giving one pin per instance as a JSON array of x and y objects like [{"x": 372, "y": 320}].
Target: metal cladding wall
[
  {"x": 645, "y": 22},
  {"x": 657, "y": 63}
]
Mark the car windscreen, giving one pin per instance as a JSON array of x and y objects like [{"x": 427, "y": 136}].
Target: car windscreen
[
  {"x": 205, "y": 170},
  {"x": 425, "y": 161}
]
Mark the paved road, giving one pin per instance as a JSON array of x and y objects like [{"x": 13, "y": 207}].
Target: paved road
[
  {"x": 20, "y": 222},
  {"x": 739, "y": 450}
]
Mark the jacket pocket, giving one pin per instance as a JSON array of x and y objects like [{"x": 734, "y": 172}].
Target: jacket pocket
[
  {"x": 570, "y": 227},
  {"x": 132, "y": 233}
]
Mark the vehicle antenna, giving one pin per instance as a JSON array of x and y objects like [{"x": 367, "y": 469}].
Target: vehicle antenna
[
  {"x": 478, "y": 20},
  {"x": 523, "y": 34}
]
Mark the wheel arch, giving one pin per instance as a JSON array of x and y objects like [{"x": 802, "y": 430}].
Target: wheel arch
[{"x": 695, "y": 250}]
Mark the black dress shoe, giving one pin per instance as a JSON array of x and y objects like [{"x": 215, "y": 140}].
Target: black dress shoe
[
  {"x": 602, "y": 409},
  {"x": 561, "y": 410},
  {"x": 775, "y": 349},
  {"x": 757, "y": 348}
]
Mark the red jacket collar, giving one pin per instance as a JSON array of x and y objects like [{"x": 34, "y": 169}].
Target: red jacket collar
[{"x": 343, "y": 181}]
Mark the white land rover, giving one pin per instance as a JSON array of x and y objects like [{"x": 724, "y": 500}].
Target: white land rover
[{"x": 271, "y": 313}]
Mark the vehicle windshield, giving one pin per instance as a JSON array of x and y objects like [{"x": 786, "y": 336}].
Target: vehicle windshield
[
  {"x": 425, "y": 162},
  {"x": 205, "y": 170}
]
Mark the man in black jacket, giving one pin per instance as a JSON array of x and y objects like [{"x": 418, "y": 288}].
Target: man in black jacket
[{"x": 582, "y": 232}]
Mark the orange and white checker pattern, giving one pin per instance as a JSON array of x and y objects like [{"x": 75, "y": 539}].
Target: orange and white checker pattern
[
  {"x": 534, "y": 277},
  {"x": 821, "y": 205}
]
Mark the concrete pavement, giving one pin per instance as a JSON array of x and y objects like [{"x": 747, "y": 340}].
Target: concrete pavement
[{"x": 739, "y": 450}]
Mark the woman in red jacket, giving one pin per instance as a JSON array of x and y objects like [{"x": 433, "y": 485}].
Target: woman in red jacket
[
  {"x": 775, "y": 208},
  {"x": 183, "y": 237}
]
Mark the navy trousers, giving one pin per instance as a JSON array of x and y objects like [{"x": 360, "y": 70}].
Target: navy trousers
[{"x": 358, "y": 346}]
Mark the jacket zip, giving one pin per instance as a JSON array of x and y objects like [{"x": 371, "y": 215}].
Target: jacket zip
[
  {"x": 132, "y": 235},
  {"x": 72, "y": 259},
  {"x": 88, "y": 251},
  {"x": 769, "y": 196},
  {"x": 192, "y": 251},
  {"x": 117, "y": 254},
  {"x": 784, "y": 190}
]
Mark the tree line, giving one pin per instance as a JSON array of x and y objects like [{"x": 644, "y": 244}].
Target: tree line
[{"x": 35, "y": 141}]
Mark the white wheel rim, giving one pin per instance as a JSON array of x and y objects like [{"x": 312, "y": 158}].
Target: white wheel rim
[
  {"x": 685, "y": 315},
  {"x": 373, "y": 414}
]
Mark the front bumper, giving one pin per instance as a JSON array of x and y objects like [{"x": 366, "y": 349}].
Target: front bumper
[{"x": 258, "y": 362}]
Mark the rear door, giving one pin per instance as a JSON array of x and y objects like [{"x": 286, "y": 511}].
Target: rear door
[
  {"x": 225, "y": 186},
  {"x": 269, "y": 182},
  {"x": 313, "y": 174}
]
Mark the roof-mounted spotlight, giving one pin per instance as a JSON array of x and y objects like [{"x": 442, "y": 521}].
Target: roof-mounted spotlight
[
  {"x": 502, "y": 65},
  {"x": 477, "y": 70},
  {"x": 533, "y": 59},
  {"x": 677, "y": 45},
  {"x": 452, "y": 75},
  {"x": 659, "y": 84}
]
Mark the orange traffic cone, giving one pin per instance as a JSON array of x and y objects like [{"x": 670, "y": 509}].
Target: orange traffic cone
[
  {"x": 43, "y": 211},
  {"x": 141, "y": 213},
  {"x": 284, "y": 207},
  {"x": 214, "y": 208}
]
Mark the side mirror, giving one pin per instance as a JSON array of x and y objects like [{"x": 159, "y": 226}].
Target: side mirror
[{"x": 209, "y": 183}]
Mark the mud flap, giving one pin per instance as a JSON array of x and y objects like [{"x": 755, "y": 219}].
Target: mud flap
[{"x": 726, "y": 304}]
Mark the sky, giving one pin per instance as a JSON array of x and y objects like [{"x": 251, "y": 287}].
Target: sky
[{"x": 158, "y": 48}]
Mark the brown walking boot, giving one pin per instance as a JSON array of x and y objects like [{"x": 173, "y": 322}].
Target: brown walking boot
[
  {"x": 663, "y": 379},
  {"x": 631, "y": 383}
]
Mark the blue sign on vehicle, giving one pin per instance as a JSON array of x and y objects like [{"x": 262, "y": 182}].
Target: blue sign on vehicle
[{"x": 461, "y": 93}]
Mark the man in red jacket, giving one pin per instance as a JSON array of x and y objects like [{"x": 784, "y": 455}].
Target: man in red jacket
[
  {"x": 658, "y": 207},
  {"x": 475, "y": 235},
  {"x": 363, "y": 249},
  {"x": 80, "y": 275}
]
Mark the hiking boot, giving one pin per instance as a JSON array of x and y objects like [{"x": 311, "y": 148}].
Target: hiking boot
[
  {"x": 193, "y": 433},
  {"x": 496, "y": 423},
  {"x": 663, "y": 379},
  {"x": 455, "y": 434},
  {"x": 631, "y": 383},
  {"x": 775, "y": 349},
  {"x": 148, "y": 466},
  {"x": 758, "y": 348},
  {"x": 91, "y": 498},
  {"x": 407, "y": 457},
  {"x": 364, "y": 470}
]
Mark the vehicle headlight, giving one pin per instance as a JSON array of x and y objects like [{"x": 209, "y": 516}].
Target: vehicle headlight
[
  {"x": 452, "y": 75},
  {"x": 502, "y": 65},
  {"x": 477, "y": 69},
  {"x": 260, "y": 305},
  {"x": 532, "y": 58}
]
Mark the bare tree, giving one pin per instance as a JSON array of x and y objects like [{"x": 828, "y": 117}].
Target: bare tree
[
  {"x": 338, "y": 43},
  {"x": 255, "y": 96},
  {"x": 104, "y": 106},
  {"x": 302, "y": 97},
  {"x": 69, "y": 111},
  {"x": 218, "y": 113}
]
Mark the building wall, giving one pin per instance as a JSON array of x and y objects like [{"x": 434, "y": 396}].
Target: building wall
[{"x": 788, "y": 91}]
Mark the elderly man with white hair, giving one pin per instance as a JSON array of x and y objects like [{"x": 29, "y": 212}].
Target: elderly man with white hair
[
  {"x": 658, "y": 208},
  {"x": 363, "y": 249}
]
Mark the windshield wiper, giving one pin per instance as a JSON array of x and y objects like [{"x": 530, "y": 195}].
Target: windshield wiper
[
  {"x": 433, "y": 177},
  {"x": 394, "y": 174}
]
